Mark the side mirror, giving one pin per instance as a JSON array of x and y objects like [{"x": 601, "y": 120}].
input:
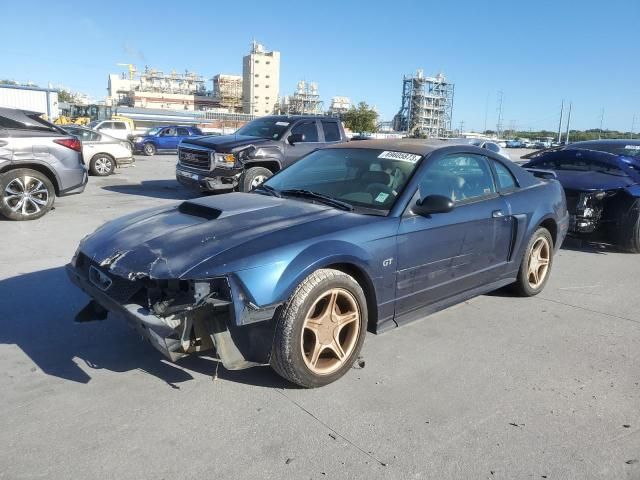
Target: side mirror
[
  {"x": 295, "y": 138},
  {"x": 433, "y": 204}
]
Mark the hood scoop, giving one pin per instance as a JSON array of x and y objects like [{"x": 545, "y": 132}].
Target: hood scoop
[
  {"x": 227, "y": 205},
  {"x": 199, "y": 210}
]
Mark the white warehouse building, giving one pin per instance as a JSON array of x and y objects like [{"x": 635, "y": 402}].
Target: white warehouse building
[{"x": 42, "y": 100}]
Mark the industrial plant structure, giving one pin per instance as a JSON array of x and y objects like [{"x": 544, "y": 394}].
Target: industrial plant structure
[
  {"x": 427, "y": 106},
  {"x": 339, "y": 105},
  {"x": 304, "y": 101},
  {"x": 261, "y": 80},
  {"x": 227, "y": 91},
  {"x": 156, "y": 89}
]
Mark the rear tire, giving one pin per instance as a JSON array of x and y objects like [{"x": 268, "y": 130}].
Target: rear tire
[
  {"x": 149, "y": 149},
  {"x": 25, "y": 194},
  {"x": 102, "y": 165},
  {"x": 536, "y": 264},
  {"x": 320, "y": 329},
  {"x": 253, "y": 177}
]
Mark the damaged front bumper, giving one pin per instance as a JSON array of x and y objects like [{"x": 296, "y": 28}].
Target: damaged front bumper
[
  {"x": 185, "y": 323},
  {"x": 586, "y": 211}
]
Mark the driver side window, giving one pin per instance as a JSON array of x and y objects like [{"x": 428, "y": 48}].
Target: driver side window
[
  {"x": 308, "y": 129},
  {"x": 461, "y": 177}
]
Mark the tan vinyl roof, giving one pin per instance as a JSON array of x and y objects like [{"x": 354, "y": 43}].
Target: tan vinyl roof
[{"x": 408, "y": 145}]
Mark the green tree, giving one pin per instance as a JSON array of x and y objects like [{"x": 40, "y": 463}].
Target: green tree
[
  {"x": 361, "y": 119},
  {"x": 66, "y": 96}
]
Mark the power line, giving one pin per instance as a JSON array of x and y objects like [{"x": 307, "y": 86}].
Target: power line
[
  {"x": 566, "y": 139},
  {"x": 486, "y": 111},
  {"x": 560, "y": 122},
  {"x": 499, "y": 124}
]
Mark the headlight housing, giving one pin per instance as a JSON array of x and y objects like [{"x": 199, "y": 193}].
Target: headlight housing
[{"x": 224, "y": 160}]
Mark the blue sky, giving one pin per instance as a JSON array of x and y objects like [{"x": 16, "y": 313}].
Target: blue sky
[{"x": 536, "y": 53}]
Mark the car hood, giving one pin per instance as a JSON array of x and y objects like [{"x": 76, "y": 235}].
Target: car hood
[
  {"x": 168, "y": 242},
  {"x": 225, "y": 143},
  {"x": 589, "y": 181}
]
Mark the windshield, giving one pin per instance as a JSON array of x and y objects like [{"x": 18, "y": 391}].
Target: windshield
[
  {"x": 572, "y": 161},
  {"x": 363, "y": 178},
  {"x": 619, "y": 149},
  {"x": 265, "y": 128},
  {"x": 153, "y": 131}
]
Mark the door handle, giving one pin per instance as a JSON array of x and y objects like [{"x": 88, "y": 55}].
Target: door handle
[{"x": 497, "y": 214}]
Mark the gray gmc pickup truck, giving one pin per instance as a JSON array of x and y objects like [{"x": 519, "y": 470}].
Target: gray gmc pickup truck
[{"x": 259, "y": 149}]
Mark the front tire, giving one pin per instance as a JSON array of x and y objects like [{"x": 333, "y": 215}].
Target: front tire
[
  {"x": 102, "y": 165},
  {"x": 25, "y": 194},
  {"x": 536, "y": 264},
  {"x": 628, "y": 235},
  {"x": 320, "y": 329},
  {"x": 253, "y": 177},
  {"x": 149, "y": 149}
]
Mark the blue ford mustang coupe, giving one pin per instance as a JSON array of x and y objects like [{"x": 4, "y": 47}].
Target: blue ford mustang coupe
[{"x": 360, "y": 236}]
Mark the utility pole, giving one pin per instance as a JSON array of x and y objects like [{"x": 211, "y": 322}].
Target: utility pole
[
  {"x": 566, "y": 139},
  {"x": 633, "y": 125},
  {"x": 461, "y": 126},
  {"x": 499, "y": 124},
  {"x": 560, "y": 122},
  {"x": 601, "y": 122}
]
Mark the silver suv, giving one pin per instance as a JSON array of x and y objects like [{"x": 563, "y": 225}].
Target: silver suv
[{"x": 38, "y": 161}]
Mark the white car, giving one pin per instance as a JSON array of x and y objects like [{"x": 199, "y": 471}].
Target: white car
[
  {"x": 113, "y": 128},
  {"x": 493, "y": 146},
  {"x": 102, "y": 152}
]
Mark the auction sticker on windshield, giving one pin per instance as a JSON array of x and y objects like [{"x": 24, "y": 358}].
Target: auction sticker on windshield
[{"x": 403, "y": 156}]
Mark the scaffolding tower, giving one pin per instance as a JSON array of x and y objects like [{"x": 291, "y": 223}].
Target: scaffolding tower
[
  {"x": 227, "y": 89},
  {"x": 427, "y": 106},
  {"x": 305, "y": 100}
]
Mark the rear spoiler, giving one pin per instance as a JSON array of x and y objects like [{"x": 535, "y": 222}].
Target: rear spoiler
[{"x": 544, "y": 174}]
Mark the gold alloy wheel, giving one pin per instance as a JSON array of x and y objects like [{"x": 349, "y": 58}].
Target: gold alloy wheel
[
  {"x": 539, "y": 259},
  {"x": 330, "y": 331}
]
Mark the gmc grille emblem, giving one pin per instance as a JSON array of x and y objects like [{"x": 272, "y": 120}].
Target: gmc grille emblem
[
  {"x": 189, "y": 156},
  {"x": 99, "y": 279}
]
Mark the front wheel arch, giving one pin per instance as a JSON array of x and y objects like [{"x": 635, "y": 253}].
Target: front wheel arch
[
  {"x": 363, "y": 279},
  {"x": 271, "y": 165}
]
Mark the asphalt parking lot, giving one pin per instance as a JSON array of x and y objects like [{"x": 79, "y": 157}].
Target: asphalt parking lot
[{"x": 498, "y": 387}]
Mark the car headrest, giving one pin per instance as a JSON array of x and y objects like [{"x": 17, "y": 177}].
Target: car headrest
[
  {"x": 376, "y": 177},
  {"x": 441, "y": 184}
]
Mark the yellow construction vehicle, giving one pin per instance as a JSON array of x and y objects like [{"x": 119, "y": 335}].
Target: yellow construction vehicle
[
  {"x": 64, "y": 120},
  {"x": 85, "y": 114}
]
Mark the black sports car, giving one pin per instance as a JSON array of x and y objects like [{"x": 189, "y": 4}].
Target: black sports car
[{"x": 601, "y": 180}]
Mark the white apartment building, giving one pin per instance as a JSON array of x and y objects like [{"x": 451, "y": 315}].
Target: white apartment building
[{"x": 261, "y": 80}]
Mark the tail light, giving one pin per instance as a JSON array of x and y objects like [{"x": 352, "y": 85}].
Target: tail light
[{"x": 72, "y": 143}]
